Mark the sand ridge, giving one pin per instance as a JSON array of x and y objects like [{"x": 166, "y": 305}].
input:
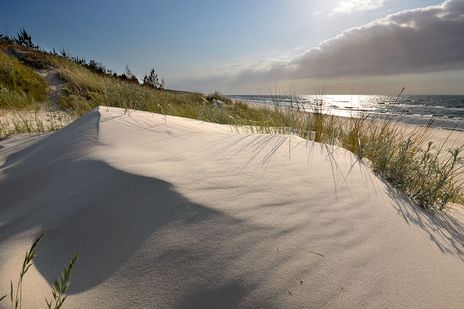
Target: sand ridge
[{"x": 171, "y": 212}]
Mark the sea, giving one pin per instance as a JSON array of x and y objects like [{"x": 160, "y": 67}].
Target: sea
[{"x": 445, "y": 111}]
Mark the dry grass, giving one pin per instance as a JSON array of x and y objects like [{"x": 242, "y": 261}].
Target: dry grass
[
  {"x": 31, "y": 122},
  {"x": 20, "y": 86}
]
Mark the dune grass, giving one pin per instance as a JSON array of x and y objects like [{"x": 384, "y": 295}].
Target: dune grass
[
  {"x": 427, "y": 173},
  {"x": 20, "y": 86},
  {"x": 86, "y": 90},
  {"x": 32, "y": 122},
  {"x": 60, "y": 287}
]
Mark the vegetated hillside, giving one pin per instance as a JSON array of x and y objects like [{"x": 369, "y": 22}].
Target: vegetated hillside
[
  {"x": 20, "y": 86},
  {"x": 87, "y": 88}
]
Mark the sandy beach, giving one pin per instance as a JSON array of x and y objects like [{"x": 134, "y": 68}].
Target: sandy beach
[{"x": 168, "y": 212}]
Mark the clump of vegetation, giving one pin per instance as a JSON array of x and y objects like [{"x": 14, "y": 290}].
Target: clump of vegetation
[
  {"x": 429, "y": 175},
  {"x": 60, "y": 287},
  {"x": 19, "y": 85},
  {"x": 129, "y": 76},
  {"x": 32, "y": 122},
  {"x": 22, "y": 38},
  {"x": 152, "y": 80},
  {"x": 25, "y": 39}
]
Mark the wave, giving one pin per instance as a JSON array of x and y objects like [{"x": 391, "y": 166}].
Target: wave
[{"x": 448, "y": 109}]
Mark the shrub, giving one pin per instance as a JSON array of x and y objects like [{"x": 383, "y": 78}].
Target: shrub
[
  {"x": 152, "y": 80},
  {"x": 25, "y": 39}
]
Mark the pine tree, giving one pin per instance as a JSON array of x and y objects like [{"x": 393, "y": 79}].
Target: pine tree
[{"x": 153, "y": 80}]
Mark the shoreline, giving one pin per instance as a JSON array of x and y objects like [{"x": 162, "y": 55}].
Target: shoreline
[
  {"x": 439, "y": 135},
  {"x": 419, "y": 120}
]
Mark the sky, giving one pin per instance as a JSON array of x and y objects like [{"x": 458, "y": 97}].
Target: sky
[{"x": 261, "y": 46}]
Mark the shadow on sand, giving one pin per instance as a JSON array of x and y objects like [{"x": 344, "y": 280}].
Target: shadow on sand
[
  {"x": 444, "y": 230},
  {"x": 133, "y": 230},
  {"x": 122, "y": 225}
]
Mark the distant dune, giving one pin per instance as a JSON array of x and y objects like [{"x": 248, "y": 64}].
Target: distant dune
[{"x": 168, "y": 212}]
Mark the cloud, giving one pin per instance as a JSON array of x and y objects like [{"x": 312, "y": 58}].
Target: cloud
[
  {"x": 429, "y": 39},
  {"x": 350, "y": 6}
]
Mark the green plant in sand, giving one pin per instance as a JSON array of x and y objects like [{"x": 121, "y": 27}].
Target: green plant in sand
[{"x": 60, "y": 286}]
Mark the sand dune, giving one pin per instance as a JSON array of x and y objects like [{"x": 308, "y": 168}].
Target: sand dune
[{"x": 176, "y": 213}]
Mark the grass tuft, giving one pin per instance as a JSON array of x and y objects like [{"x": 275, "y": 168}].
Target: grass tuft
[{"x": 60, "y": 286}]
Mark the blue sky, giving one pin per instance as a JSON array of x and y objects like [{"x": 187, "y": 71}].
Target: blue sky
[{"x": 201, "y": 45}]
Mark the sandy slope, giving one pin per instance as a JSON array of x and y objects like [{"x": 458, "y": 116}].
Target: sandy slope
[{"x": 171, "y": 212}]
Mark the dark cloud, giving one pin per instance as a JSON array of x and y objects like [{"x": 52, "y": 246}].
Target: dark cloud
[{"x": 429, "y": 39}]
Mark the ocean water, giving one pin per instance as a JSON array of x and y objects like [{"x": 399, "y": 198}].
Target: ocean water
[{"x": 446, "y": 111}]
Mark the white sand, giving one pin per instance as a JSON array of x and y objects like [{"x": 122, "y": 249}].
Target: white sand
[{"x": 170, "y": 212}]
